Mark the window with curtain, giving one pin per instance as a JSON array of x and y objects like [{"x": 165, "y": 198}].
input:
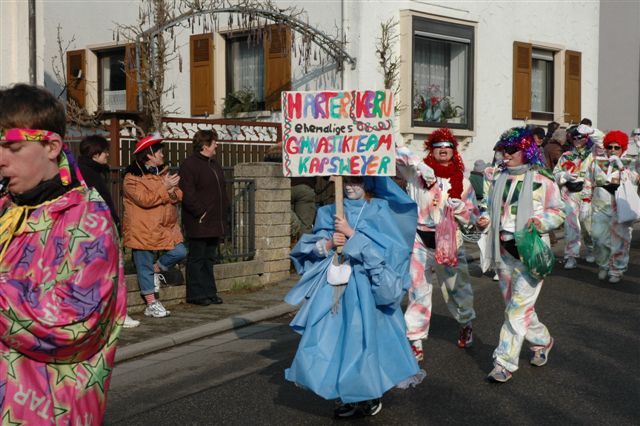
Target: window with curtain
[
  {"x": 112, "y": 80},
  {"x": 245, "y": 67},
  {"x": 442, "y": 74},
  {"x": 542, "y": 84}
]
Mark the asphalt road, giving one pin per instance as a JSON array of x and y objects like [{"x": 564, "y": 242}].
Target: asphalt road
[{"x": 592, "y": 377}]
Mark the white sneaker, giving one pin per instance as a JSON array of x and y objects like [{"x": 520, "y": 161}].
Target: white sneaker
[
  {"x": 156, "y": 310},
  {"x": 590, "y": 258},
  {"x": 157, "y": 280},
  {"x": 130, "y": 322},
  {"x": 602, "y": 274},
  {"x": 570, "y": 263},
  {"x": 614, "y": 279},
  {"x": 496, "y": 277}
]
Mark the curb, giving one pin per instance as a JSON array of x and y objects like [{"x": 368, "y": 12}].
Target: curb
[{"x": 205, "y": 330}]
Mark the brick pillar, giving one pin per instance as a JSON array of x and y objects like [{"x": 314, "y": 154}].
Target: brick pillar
[{"x": 272, "y": 217}]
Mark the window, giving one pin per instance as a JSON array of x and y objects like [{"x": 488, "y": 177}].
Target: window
[
  {"x": 116, "y": 89},
  {"x": 245, "y": 67},
  {"x": 542, "y": 84},
  {"x": 112, "y": 80},
  {"x": 261, "y": 65},
  {"x": 536, "y": 75},
  {"x": 442, "y": 74}
]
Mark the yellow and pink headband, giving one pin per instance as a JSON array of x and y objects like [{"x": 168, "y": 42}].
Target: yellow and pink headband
[{"x": 65, "y": 160}]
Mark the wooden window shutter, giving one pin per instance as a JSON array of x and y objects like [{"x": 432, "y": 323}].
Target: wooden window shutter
[
  {"x": 572, "y": 86},
  {"x": 77, "y": 76},
  {"x": 131, "y": 82},
  {"x": 277, "y": 66},
  {"x": 201, "y": 48},
  {"x": 521, "y": 80}
]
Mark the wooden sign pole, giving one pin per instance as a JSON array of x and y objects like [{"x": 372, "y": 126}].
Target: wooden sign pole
[{"x": 339, "y": 201}]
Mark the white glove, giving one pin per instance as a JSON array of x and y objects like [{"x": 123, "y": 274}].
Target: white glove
[
  {"x": 617, "y": 160},
  {"x": 426, "y": 173},
  {"x": 569, "y": 177}
]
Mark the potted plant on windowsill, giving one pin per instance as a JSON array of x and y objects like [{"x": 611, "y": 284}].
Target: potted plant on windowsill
[
  {"x": 432, "y": 107},
  {"x": 243, "y": 100}
]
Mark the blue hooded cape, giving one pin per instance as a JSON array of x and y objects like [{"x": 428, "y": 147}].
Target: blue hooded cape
[{"x": 359, "y": 350}]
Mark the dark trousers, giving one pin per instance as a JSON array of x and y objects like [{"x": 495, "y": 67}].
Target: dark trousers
[{"x": 201, "y": 284}]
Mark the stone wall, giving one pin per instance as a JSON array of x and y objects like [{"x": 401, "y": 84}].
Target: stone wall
[{"x": 273, "y": 229}]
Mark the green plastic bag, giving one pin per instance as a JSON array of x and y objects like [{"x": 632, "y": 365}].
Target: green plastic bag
[{"x": 534, "y": 252}]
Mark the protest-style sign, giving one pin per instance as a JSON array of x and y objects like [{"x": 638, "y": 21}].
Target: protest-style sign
[{"x": 338, "y": 133}]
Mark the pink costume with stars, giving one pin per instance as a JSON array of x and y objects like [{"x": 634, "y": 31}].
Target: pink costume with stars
[{"x": 62, "y": 304}]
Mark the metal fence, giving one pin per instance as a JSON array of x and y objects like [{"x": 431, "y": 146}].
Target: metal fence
[{"x": 239, "y": 245}]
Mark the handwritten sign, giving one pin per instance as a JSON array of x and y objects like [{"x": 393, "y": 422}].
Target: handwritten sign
[{"x": 338, "y": 133}]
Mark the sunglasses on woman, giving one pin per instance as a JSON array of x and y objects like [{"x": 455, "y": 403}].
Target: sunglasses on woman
[
  {"x": 510, "y": 149},
  {"x": 614, "y": 148}
]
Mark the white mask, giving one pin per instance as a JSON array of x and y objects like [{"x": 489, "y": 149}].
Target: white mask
[{"x": 354, "y": 190}]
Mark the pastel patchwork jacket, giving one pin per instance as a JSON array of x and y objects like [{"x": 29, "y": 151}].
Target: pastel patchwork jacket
[
  {"x": 578, "y": 162},
  {"x": 432, "y": 200},
  {"x": 603, "y": 201},
  {"x": 548, "y": 207},
  {"x": 62, "y": 304}
]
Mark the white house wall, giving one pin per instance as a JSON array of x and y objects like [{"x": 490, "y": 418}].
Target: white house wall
[
  {"x": 565, "y": 24},
  {"x": 14, "y": 42}
]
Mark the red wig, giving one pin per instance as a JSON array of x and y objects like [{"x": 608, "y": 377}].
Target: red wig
[
  {"x": 455, "y": 170},
  {"x": 616, "y": 136}
]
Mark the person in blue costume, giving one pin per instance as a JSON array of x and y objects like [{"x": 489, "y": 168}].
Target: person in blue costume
[{"x": 353, "y": 346}]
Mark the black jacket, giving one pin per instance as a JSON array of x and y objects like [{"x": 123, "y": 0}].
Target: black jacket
[
  {"x": 205, "y": 207},
  {"x": 94, "y": 176}
]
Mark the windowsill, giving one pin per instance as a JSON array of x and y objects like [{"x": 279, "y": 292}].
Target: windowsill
[
  {"x": 242, "y": 115},
  {"x": 428, "y": 130}
]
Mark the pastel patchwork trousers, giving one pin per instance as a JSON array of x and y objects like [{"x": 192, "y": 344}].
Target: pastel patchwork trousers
[
  {"x": 611, "y": 243},
  {"x": 520, "y": 291},
  {"x": 454, "y": 283},
  {"x": 577, "y": 226}
]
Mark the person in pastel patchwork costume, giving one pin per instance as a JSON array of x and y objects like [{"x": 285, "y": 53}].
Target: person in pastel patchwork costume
[
  {"x": 611, "y": 238},
  {"x": 435, "y": 182},
  {"x": 63, "y": 298},
  {"x": 520, "y": 192},
  {"x": 573, "y": 175}
]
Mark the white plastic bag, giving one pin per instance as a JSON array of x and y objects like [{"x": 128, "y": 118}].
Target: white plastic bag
[
  {"x": 338, "y": 273},
  {"x": 627, "y": 201},
  {"x": 484, "y": 243}
]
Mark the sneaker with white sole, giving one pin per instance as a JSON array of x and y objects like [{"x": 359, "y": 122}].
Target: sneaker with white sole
[
  {"x": 130, "y": 322},
  {"x": 416, "y": 347},
  {"x": 570, "y": 263},
  {"x": 156, "y": 310},
  {"x": 590, "y": 258},
  {"x": 602, "y": 274},
  {"x": 541, "y": 355},
  {"x": 371, "y": 407},
  {"x": 343, "y": 411},
  {"x": 499, "y": 374},
  {"x": 613, "y": 279},
  {"x": 158, "y": 281},
  {"x": 496, "y": 277}
]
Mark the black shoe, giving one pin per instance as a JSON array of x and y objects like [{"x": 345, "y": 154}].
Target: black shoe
[
  {"x": 344, "y": 411},
  {"x": 371, "y": 407},
  {"x": 215, "y": 300},
  {"x": 200, "y": 302}
]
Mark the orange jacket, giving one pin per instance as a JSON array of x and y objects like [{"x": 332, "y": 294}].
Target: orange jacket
[{"x": 150, "y": 215}]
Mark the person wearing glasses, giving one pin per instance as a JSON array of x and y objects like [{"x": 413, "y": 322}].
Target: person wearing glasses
[
  {"x": 520, "y": 193},
  {"x": 435, "y": 182},
  {"x": 572, "y": 173},
  {"x": 611, "y": 239}
]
